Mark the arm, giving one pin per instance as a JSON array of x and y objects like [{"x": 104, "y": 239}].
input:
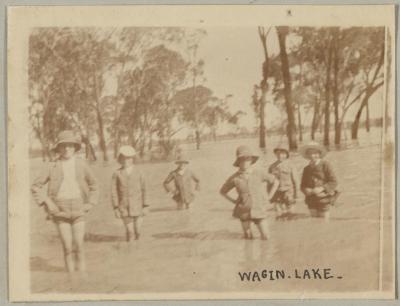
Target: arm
[
  {"x": 196, "y": 180},
  {"x": 93, "y": 186},
  {"x": 295, "y": 184},
  {"x": 228, "y": 186},
  {"x": 114, "y": 191},
  {"x": 143, "y": 190},
  {"x": 331, "y": 181},
  {"x": 39, "y": 195},
  {"x": 167, "y": 181},
  {"x": 271, "y": 179}
]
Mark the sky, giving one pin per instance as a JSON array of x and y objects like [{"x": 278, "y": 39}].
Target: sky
[{"x": 233, "y": 60}]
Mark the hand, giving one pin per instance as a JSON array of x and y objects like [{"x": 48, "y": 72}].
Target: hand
[
  {"x": 309, "y": 191},
  {"x": 87, "y": 207},
  {"x": 117, "y": 213},
  {"x": 317, "y": 190}
]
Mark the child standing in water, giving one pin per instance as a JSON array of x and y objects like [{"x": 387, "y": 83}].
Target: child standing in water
[
  {"x": 183, "y": 179},
  {"x": 128, "y": 193},
  {"x": 318, "y": 182},
  {"x": 72, "y": 192},
  {"x": 285, "y": 197},
  {"x": 250, "y": 185}
]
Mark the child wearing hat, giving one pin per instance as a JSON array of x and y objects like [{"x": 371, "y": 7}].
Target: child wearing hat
[
  {"x": 318, "y": 182},
  {"x": 72, "y": 191},
  {"x": 128, "y": 193},
  {"x": 285, "y": 197},
  {"x": 183, "y": 178},
  {"x": 250, "y": 185}
]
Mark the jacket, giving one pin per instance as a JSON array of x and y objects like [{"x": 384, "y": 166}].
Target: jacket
[
  {"x": 128, "y": 192},
  {"x": 251, "y": 190},
  {"x": 52, "y": 175},
  {"x": 183, "y": 185},
  {"x": 287, "y": 176}
]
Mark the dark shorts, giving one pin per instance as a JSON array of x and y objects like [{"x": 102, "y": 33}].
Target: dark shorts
[
  {"x": 321, "y": 204},
  {"x": 283, "y": 197},
  {"x": 71, "y": 211}
]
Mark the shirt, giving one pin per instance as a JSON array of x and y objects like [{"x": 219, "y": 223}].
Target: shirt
[{"x": 69, "y": 188}]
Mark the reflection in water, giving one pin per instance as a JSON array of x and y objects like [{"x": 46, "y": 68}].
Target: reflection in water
[{"x": 257, "y": 253}]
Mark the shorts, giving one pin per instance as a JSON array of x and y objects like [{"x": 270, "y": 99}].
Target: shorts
[
  {"x": 283, "y": 197},
  {"x": 71, "y": 211}
]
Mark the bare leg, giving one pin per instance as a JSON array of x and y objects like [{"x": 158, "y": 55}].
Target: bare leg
[
  {"x": 325, "y": 215},
  {"x": 137, "y": 222},
  {"x": 246, "y": 229},
  {"x": 278, "y": 210},
  {"x": 262, "y": 227},
  {"x": 313, "y": 213},
  {"x": 129, "y": 230},
  {"x": 78, "y": 232},
  {"x": 65, "y": 231}
]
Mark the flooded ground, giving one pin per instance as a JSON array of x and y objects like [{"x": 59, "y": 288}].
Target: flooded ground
[{"x": 203, "y": 250}]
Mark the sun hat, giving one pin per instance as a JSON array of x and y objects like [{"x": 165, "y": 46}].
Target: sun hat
[
  {"x": 313, "y": 145},
  {"x": 67, "y": 136},
  {"x": 126, "y": 151},
  {"x": 244, "y": 151},
  {"x": 281, "y": 147},
  {"x": 182, "y": 159}
]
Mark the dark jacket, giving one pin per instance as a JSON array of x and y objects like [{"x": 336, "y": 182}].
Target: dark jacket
[
  {"x": 52, "y": 175},
  {"x": 320, "y": 175},
  {"x": 184, "y": 191},
  {"x": 128, "y": 192}
]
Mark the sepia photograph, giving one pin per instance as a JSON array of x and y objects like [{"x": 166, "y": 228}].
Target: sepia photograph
[{"x": 175, "y": 154}]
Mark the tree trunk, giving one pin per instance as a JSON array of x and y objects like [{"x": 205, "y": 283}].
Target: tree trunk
[
  {"x": 198, "y": 140},
  {"x": 335, "y": 90},
  {"x": 315, "y": 120},
  {"x": 100, "y": 132},
  {"x": 327, "y": 97},
  {"x": 262, "y": 133},
  {"x": 291, "y": 127},
  {"x": 299, "y": 121},
  {"x": 367, "y": 126},
  {"x": 89, "y": 150}
]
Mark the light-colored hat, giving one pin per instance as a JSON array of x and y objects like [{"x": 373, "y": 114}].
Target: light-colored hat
[
  {"x": 244, "y": 151},
  {"x": 281, "y": 147},
  {"x": 182, "y": 159},
  {"x": 68, "y": 137},
  {"x": 313, "y": 146},
  {"x": 126, "y": 151}
]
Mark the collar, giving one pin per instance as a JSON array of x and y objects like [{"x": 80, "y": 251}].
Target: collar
[{"x": 316, "y": 163}]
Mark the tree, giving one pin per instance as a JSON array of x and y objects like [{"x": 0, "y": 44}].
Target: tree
[
  {"x": 291, "y": 126},
  {"x": 260, "y": 102}
]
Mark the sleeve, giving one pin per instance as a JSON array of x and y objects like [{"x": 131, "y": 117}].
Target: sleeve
[
  {"x": 303, "y": 184},
  {"x": 227, "y": 186},
  {"x": 330, "y": 178},
  {"x": 37, "y": 189},
  {"x": 268, "y": 177},
  {"x": 92, "y": 184},
  {"x": 294, "y": 178},
  {"x": 114, "y": 191},
  {"x": 168, "y": 180},
  {"x": 143, "y": 189},
  {"x": 196, "y": 179}
]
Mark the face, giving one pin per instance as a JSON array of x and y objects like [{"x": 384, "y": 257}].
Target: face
[
  {"x": 245, "y": 163},
  {"x": 313, "y": 155},
  {"x": 126, "y": 161},
  {"x": 66, "y": 150},
  {"x": 281, "y": 155},
  {"x": 182, "y": 166}
]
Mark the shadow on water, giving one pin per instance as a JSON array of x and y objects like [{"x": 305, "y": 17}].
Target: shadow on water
[
  {"x": 161, "y": 209},
  {"x": 103, "y": 238},
  {"x": 204, "y": 235},
  {"x": 39, "y": 264}
]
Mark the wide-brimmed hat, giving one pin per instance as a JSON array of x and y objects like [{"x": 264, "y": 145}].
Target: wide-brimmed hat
[
  {"x": 244, "y": 151},
  {"x": 283, "y": 148},
  {"x": 68, "y": 137},
  {"x": 182, "y": 159},
  {"x": 313, "y": 146},
  {"x": 126, "y": 151}
]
